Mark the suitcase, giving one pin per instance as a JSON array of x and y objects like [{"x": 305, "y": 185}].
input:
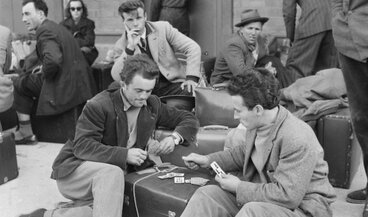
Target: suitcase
[
  {"x": 214, "y": 107},
  {"x": 148, "y": 196},
  {"x": 335, "y": 134},
  {"x": 102, "y": 75},
  {"x": 8, "y": 158},
  {"x": 209, "y": 139}
]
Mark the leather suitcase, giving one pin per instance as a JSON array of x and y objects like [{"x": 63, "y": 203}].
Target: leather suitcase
[
  {"x": 209, "y": 139},
  {"x": 8, "y": 158},
  {"x": 102, "y": 75},
  {"x": 335, "y": 134},
  {"x": 148, "y": 196},
  {"x": 214, "y": 107}
]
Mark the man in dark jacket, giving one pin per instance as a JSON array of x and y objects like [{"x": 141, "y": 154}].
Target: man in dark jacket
[
  {"x": 351, "y": 36},
  {"x": 63, "y": 79},
  {"x": 113, "y": 137}
]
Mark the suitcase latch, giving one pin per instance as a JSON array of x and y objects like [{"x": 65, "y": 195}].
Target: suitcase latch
[{"x": 171, "y": 214}]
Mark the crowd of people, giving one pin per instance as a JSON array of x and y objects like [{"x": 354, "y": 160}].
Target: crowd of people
[{"x": 278, "y": 171}]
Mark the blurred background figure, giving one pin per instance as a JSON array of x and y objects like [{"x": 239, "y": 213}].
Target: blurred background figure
[
  {"x": 82, "y": 28},
  {"x": 313, "y": 47},
  {"x": 173, "y": 11}
]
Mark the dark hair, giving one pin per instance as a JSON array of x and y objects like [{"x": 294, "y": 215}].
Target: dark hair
[
  {"x": 139, "y": 64},
  {"x": 257, "y": 87},
  {"x": 39, "y": 5},
  {"x": 130, "y": 5},
  {"x": 84, "y": 8}
]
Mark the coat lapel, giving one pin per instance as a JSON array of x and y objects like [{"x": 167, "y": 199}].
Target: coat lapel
[
  {"x": 145, "y": 125},
  {"x": 152, "y": 37},
  {"x": 121, "y": 119}
]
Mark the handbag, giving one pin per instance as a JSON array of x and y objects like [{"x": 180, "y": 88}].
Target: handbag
[{"x": 214, "y": 107}]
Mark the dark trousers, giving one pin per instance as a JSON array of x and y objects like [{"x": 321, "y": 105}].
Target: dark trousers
[
  {"x": 312, "y": 54},
  {"x": 26, "y": 91},
  {"x": 164, "y": 87},
  {"x": 356, "y": 79}
]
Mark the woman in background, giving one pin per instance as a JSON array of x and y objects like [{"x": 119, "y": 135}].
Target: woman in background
[{"x": 82, "y": 28}]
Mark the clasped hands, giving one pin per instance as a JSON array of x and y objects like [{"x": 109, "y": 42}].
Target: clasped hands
[{"x": 137, "y": 156}]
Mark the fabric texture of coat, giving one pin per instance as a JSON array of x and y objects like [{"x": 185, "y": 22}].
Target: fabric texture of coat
[
  {"x": 102, "y": 131},
  {"x": 164, "y": 42},
  {"x": 236, "y": 57},
  {"x": 67, "y": 78},
  {"x": 294, "y": 168},
  {"x": 348, "y": 17}
]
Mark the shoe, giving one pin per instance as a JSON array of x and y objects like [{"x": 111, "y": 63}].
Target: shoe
[
  {"x": 36, "y": 213},
  {"x": 28, "y": 140},
  {"x": 358, "y": 197}
]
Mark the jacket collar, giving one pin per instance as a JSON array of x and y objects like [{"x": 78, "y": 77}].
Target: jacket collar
[{"x": 251, "y": 135}]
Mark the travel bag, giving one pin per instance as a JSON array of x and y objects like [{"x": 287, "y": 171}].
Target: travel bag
[
  {"x": 214, "y": 107},
  {"x": 8, "y": 158},
  {"x": 335, "y": 134},
  {"x": 148, "y": 196}
]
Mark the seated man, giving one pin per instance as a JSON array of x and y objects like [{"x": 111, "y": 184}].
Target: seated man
[
  {"x": 110, "y": 141},
  {"x": 281, "y": 166},
  {"x": 160, "y": 41},
  {"x": 248, "y": 49},
  {"x": 62, "y": 81}
]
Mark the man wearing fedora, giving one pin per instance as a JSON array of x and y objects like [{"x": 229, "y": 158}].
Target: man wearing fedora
[
  {"x": 313, "y": 47},
  {"x": 248, "y": 49}
]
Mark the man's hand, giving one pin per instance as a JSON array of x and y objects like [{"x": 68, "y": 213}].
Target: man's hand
[
  {"x": 86, "y": 49},
  {"x": 166, "y": 146},
  {"x": 136, "y": 156},
  {"x": 228, "y": 182},
  {"x": 194, "y": 161},
  {"x": 190, "y": 85},
  {"x": 133, "y": 37}
]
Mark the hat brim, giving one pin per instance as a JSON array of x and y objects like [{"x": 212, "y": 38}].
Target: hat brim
[{"x": 252, "y": 20}]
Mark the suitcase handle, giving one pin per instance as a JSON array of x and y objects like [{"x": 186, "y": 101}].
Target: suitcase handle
[{"x": 215, "y": 127}]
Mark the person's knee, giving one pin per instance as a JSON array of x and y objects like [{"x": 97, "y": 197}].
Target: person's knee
[
  {"x": 253, "y": 209},
  {"x": 112, "y": 173}
]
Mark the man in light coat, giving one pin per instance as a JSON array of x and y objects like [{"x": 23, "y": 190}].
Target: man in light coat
[
  {"x": 161, "y": 42},
  {"x": 281, "y": 166}
]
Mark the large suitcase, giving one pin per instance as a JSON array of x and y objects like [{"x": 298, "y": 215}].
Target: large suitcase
[
  {"x": 148, "y": 196},
  {"x": 8, "y": 158},
  {"x": 335, "y": 134},
  {"x": 209, "y": 139},
  {"x": 102, "y": 75}
]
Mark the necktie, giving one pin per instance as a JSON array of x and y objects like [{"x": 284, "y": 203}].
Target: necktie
[{"x": 143, "y": 44}]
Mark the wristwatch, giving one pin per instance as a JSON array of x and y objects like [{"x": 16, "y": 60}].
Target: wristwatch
[{"x": 176, "y": 138}]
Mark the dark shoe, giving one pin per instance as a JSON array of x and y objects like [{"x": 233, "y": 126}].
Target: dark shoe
[
  {"x": 36, "y": 213},
  {"x": 28, "y": 140},
  {"x": 358, "y": 197}
]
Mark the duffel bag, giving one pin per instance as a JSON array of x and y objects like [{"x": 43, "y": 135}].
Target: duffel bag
[{"x": 214, "y": 107}]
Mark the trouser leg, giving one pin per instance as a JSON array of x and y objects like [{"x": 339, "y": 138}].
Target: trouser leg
[
  {"x": 211, "y": 201},
  {"x": 96, "y": 188},
  {"x": 356, "y": 80},
  {"x": 262, "y": 209},
  {"x": 26, "y": 90}
]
